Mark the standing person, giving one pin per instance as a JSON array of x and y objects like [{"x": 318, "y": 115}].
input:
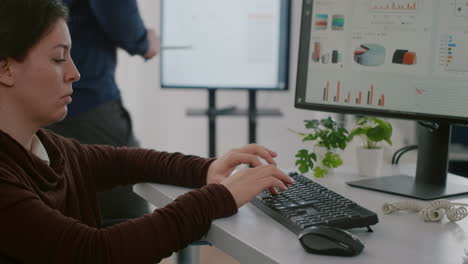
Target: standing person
[
  {"x": 96, "y": 115},
  {"x": 48, "y": 183}
]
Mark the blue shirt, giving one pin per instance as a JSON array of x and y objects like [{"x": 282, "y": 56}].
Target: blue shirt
[{"x": 98, "y": 28}]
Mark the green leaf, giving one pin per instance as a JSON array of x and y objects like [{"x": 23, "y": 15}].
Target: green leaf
[
  {"x": 389, "y": 141},
  {"x": 309, "y": 137},
  {"x": 332, "y": 160},
  {"x": 311, "y": 124},
  {"x": 303, "y": 169},
  {"x": 342, "y": 145},
  {"x": 325, "y": 133},
  {"x": 328, "y": 123},
  {"x": 376, "y": 134},
  {"x": 305, "y": 160},
  {"x": 313, "y": 156},
  {"x": 320, "y": 172},
  {"x": 373, "y": 130},
  {"x": 388, "y": 130},
  {"x": 362, "y": 121}
]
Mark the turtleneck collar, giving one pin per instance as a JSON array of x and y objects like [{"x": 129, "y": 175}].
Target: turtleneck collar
[
  {"x": 38, "y": 149},
  {"x": 47, "y": 177}
]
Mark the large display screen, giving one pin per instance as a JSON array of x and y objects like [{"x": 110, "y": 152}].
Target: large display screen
[
  {"x": 225, "y": 44},
  {"x": 401, "y": 58}
]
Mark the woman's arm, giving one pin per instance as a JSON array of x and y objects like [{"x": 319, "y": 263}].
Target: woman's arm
[
  {"x": 110, "y": 166},
  {"x": 33, "y": 232}
]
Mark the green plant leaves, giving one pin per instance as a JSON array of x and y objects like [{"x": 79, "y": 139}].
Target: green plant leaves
[
  {"x": 325, "y": 132},
  {"x": 332, "y": 160},
  {"x": 312, "y": 124},
  {"x": 376, "y": 133},
  {"x": 305, "y": 160},
  {"x": 328, "y": 123},
  {"x": 373, "y": 130},
  {"x": 309, "y": 137},
  {"x": 320, "y": 172}
]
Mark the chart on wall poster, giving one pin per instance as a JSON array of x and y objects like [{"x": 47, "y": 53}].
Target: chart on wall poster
[
  {"x": 402, "y": 55},
  {"x": 224, "y": 44}
]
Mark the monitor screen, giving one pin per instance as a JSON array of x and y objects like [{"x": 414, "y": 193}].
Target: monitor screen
[
  {"x": 397, "y": 58},
  {"x": 219, "y": 44}
]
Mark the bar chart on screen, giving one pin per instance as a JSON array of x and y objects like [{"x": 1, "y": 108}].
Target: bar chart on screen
[
  {"x": 454, "y": 53},
  {"x": 370, "y": 97},
  {"x": 334, "y": 92}
]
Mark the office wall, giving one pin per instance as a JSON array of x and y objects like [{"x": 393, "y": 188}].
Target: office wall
[{"x": 160, "y": 120}]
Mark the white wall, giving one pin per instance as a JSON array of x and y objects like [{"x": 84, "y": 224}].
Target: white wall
[{"x": 159, "y": 115}]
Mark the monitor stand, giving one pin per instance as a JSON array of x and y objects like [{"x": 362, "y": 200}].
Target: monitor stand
[
  {"x": 405, "y": 185},
  {"x": 431, "y": 171},
  {"x": 213, "y": 112}
]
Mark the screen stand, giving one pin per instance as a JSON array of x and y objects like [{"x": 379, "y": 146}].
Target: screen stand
[
  {"x": 431, "y": 171},
  {"x": 212, "y": 113}
]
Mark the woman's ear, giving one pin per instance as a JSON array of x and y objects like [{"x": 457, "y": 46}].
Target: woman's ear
[{"x": 6, "y": 73}]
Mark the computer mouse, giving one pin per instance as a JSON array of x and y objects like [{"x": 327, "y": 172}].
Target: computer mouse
[{"x": 327, "y": 240}]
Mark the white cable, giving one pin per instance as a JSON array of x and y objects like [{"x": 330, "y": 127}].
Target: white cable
[
  {"x": 430, "y": 212},
  {"x": 431, "y": 215},
  {"x": 409, "y": 205},
  {"x": 457, "y": 214}
]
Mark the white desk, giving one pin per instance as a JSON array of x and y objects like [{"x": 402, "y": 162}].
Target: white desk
[{"x": 253, "y": 237}]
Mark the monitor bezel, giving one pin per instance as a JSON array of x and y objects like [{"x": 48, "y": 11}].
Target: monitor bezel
[
  {"x": 284, "y": 56},
  {"x": 302, "y": 75}
]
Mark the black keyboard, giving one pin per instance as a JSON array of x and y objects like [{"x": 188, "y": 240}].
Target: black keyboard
[{"x": 307, "y": 203}]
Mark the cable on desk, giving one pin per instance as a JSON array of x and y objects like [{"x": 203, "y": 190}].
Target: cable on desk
[
  {"x": 399, "y": 153},
  {"x": 430, "y": 125},
  {"x": 430, "y": 212}
]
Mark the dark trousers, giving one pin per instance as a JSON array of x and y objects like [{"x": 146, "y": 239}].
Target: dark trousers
[{"x": 108, "y": 124}]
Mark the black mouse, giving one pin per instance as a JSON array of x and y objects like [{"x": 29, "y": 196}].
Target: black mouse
[{"x": 327, "y": 240}]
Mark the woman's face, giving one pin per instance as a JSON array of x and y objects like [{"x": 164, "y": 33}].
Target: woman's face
[{"x": 43, "y": 81}]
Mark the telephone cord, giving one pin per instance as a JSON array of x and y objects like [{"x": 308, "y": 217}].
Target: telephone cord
[{"x": 430, "y": 211}]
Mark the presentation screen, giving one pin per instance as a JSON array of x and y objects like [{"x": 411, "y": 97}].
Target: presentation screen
[
  {"x": 224, "y": 44},
  {"x": 400, "y": 58}
]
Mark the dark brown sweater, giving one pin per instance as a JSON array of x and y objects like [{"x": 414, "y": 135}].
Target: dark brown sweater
[{"x": 49, "y": 214}]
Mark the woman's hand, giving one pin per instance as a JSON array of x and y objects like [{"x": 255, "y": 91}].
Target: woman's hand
[
  {"x": 248, "y": 182},
  {"x": 221, "y": 168}
]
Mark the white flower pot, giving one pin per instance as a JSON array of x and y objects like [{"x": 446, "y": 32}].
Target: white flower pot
[{"x": 369, "y": 161}]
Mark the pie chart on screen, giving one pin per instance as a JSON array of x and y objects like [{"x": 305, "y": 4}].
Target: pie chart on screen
[{"x": 370, "y": 54}]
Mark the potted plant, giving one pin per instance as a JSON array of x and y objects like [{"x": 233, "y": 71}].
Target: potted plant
[
  {"x": 327, "y": 137},
  {"x": 373, "y": 131}
]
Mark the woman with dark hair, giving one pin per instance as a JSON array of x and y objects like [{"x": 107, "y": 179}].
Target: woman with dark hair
[
  {"x": 48, "y": 184},
  {"x": 97, "y": 115}
]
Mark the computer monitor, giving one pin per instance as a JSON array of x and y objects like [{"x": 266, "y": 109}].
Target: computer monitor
[
  {"x": 225, "y": 44},
  {"x": 393, "y": 58}
]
